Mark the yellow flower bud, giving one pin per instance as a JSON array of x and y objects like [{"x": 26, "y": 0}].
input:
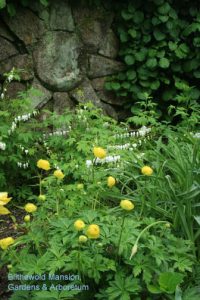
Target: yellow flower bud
[
  {"x": 6, "y": 242},
  {"x": 30, "y": 207},
  {"x": 59, "y": 174},
  {"x": 167, "y": 225},
  {"x": 42, "y": 197},
  {"x": 43, "y": 164},
  {"x": 82, "y": 239},
  {"x": 93, "y": 231},
  {"x": 111, "y": 181},
  {"x": 126, "y": 205},
  {"x": 80, "y": 186},
  {"x": 9, "y": 267},
  {"x": 79, "y": 225},
  {"x": 134, "y": 250},
  {"x": 146, "y": 170},
  {"x": 99, "y": 152},
  {"x": 27, "y": 218}
]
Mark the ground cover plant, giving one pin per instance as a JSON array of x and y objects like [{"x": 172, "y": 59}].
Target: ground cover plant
[{"x": 109, "y": 212}]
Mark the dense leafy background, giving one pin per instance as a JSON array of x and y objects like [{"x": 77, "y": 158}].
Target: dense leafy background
[{"x": 159, "y": 43}]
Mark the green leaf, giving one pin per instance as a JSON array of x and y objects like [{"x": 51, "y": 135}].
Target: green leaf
[
  {"x": 131, "y": 74},
  {"x": 164, "y": 9},
  {"x": 2, "y": 3},
  {"x": 168, "y": 281},
  {"x": 132, "y": 33},
  {"x": 129, "y": 60},
  {"x": 138, "y": 17},
  {"x": 164, "y": 63},
  {"x": 151, "y": 63},
  {"x": 159, "y": 36},
  {"x": 196, "y": 74},
  {"x": 141, "y": 55},
  {"x": 197, "y": 218},
  {"x": 172, "y": 46},
  {"x": 11, "y": 9},
  {"x": 44, "y": 2},
  {"x": 115, "y": 86},
  {"x": 126, "y": 15},
  {"x": 123, "y": 37},
  {"x": 154, "y": 289}
]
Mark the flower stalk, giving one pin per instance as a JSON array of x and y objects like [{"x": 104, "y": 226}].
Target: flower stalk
[{"x": 135, "y": 247}]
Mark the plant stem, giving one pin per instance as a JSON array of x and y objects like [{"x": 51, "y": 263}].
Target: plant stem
[{"x": 120, "y": 236}]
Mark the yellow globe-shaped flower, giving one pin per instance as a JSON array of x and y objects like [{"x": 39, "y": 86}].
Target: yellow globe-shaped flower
[
  {"x": 126, "y": 205},
  {"x": 43, "y": 164},
  {"x": 6, "y": 242},
  {"x": 93, "y": 231},
  {"x": 59, "y": 174},
  {"x": 111, "y": 181},
  {"x": 79, "y": 225},
  {"x": 99, "y": 152},
  {"x": 30, "y": 207},
  {"x": 146, "y": 170},
  {"x": 82, "y": 239},
  {"x": 27, "y": 218}
]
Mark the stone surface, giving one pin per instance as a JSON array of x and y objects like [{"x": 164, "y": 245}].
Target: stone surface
[
  {"x": 62, "y": 101},
  {"x": 92, "y": 24},
  {"x": 23, "y": 62},
  {"x": 25, "y": 25},
  {"x": 61, "y": 16},
  {"x": 7, "y": 49},
  {"x": 110, "y": 45},
  {"x": 4, "y": 32},
  {"x": 101, "y": 66},
  {"x": 14, "y": 88},
  {"x": 56, "y": 61},
  {"x": 104, "y": 95},
  {"x": 85, "y": 93},
  {"x": 39, "y": 95}
]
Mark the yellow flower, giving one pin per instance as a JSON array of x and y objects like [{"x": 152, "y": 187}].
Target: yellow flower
[
  {"x": 42, "y": 197},
  {"x": 93, "y": 231},
  {"x": 126, "y": 205},
  {"x": 79, "y": 225},
  {"x": 3, "y": 201},
  {"x": 146, "y": 170},
  {"x": 82, "y": 239},
  {"x": 99, "y": 152},
  {"x": 43, "y": 164},
  {"x": 111, "y": 181},
  {"x": 5, "y": 243},
  {"x": 30, "y": 207},
  {"x": 27, "y": 218},
  {"x": 59, "y": 174}
]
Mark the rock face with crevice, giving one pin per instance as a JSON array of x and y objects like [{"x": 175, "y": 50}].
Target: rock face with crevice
[{"x": 66, "y": 50}]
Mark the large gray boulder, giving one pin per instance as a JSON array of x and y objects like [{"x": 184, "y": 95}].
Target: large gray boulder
[
  {"x": 92, "y": 24},
  {"x": 39, "y": 95},
  {"x": 61, "y": 16},
  {"x": 25, "y": 25},
  {"x": 110, "y": 45},
  {"x": 7, "y": 49},
  {"x": 62, "y": 101},
  {"x": 56, "y": 61},
  {"x": 85, "y": 93},
  {"x": 100, "y": 66}
]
